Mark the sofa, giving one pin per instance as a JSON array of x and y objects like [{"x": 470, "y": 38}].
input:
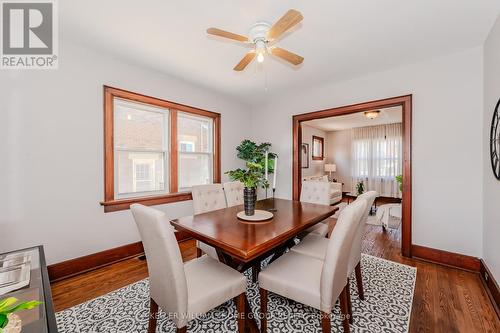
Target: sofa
[{"x": 335, "y": 193}]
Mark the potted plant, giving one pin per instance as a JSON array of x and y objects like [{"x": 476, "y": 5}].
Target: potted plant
[
  {"x": 399, "y": 179},
  {"x": 253, "y": 176},
  {"x": 9, "y": 321},
  {"x": 360, "y": 188}
]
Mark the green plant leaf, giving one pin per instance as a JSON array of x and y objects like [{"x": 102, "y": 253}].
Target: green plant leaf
[
  {"x": 3, "y": 321},
  {"x": 25, "y": 306},
  {"x": 6, "y": 303},
  {"x": 254, "y": 156},
  {"x": 21, "y": 306}
]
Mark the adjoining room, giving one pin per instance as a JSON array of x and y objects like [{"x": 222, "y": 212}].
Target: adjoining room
[{"x": 357, "y": 153}]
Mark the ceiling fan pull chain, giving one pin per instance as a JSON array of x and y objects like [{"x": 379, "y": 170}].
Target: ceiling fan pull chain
[{"x": 266, "y": 86}]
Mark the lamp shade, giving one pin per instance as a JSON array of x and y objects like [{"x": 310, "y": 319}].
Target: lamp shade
[{"x": 330, "y": 168}]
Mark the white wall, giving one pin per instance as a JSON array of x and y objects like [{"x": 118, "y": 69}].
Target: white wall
[
  {"x": 339, "y": 153},
  {"x": 447, "y": 133},
  {"x": 316, "y": 167},
  {"x": 491, "y": 189},
  {"x": 52, "y": 151}
]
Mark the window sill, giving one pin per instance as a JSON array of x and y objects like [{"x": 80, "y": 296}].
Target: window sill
[{"x": 123, "y": 204}]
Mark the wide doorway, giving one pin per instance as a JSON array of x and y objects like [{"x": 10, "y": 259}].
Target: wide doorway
[{"x": 358, "y": 148}]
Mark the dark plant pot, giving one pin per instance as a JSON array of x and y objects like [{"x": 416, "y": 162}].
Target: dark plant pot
[{"x": 249, "y": 199}]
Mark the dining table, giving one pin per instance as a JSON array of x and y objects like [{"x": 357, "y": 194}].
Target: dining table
[{"x": 244, "y": 244}]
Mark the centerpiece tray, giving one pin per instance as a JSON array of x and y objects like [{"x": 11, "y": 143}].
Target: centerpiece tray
[{"x": 258, "y": 216}]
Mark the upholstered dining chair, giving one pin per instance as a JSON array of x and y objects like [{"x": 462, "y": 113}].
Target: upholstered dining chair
[
  {"x": 316, "y": 246},
  {"x": 183, "y": 291},
  {"x": 207, "y": 198},
  {"x": 317, "y": 193},
  {"x": 316, "y": 283},
  {"x": 234, "y": 193}
]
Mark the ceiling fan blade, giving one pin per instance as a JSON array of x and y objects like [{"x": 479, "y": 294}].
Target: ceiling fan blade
[
  {"x": 245, "y": 61},
  {"x": 287, "y": 55},
  {"x": 226, "y": 34},
  {"x": 290, "y": 19}
]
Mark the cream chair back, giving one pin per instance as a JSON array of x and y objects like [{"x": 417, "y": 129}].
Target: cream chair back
[
  {"x": 369, "y": 197},
  {"x": 208, "y": 197},
  {"x": 167, "y": 279},
  {"x": 334, "y": 274},
  {"x": 315, "y": 192},
  {"x": 234, "y": 193}
]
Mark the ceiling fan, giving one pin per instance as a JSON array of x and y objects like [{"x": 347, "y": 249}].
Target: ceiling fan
[{"x": 262, "y": 35}]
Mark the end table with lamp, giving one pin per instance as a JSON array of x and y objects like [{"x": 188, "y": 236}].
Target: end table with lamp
[{"x": 330, "y": 167}]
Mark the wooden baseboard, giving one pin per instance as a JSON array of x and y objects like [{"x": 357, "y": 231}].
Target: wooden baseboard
[
  {"x": 491, "y": 286},
  {"x": 93, "y": 261},
  {"x": 446, "y": 258}
]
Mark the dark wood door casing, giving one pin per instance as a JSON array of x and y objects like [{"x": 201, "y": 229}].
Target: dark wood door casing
[{"x": 406, "y": 104}]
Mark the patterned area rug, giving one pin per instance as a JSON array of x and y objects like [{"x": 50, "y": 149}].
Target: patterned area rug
[{"x": 387, "y": 307}]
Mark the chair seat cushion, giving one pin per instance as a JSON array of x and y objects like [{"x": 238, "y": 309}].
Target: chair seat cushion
[
  {"x": 294, "y": 276},
  {"x": 313, "y": 246},
  {"x": 207, "y": 249},
  {"x": 211, "y": 283}
]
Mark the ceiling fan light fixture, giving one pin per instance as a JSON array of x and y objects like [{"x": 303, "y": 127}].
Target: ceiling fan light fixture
[
  {"x": 260, "y": 48},
  {"x": 260, "y": 35},
  {"x": 371, "y": 114}
]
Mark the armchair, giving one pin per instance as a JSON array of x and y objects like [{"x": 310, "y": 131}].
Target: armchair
[{"x": 335, "y": 191}]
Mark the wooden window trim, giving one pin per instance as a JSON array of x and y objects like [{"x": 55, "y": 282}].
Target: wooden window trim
[
  {"x": 111, "y": 204},
  {"x": 322, "y": 156}
]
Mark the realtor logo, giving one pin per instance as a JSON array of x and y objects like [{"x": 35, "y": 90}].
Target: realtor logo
[{"x": 29, "y": 35}]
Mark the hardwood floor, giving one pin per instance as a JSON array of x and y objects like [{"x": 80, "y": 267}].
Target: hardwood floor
[
  {"x": 78, "y": 289},
  {"x": 446, "y": 299}
]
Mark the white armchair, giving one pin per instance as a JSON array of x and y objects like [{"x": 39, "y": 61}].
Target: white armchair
[
  {"x": 335, "y": 189},
  {"x": 335, "y": 192}
]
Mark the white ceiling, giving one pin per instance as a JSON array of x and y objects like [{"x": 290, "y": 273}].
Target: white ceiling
[
  {"x": 339, "y": 39},
  {"x": 387, "y": 116}
]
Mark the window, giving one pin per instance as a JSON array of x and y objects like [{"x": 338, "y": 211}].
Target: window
[
  {"x": 156, "y": 150},
  {"x": 195, "y": 135},
  {"x": 377, "y": 158},
  {"x": 141, "y": 149}
]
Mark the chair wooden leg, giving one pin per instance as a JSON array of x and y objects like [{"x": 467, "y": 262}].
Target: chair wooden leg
[
  {"x": 182, "y": 329},
  {"x": 344, "y": 309},
  {"x": 199, "y": 253},
  {"x": 359, "y": 281},
  {"x": 326, "y": 325},
  {"x": 153, "y": 316},
  {"x": 263, "y": 310},
  {"x": 240, "y": 312},
  {"x": 349, "y": 304},
  {"x": 255, "y": 272}
]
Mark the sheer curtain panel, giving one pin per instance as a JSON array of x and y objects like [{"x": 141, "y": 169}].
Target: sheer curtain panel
[{"x": 377, "y": 158}]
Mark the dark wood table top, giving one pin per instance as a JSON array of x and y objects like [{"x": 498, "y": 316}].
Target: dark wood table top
[{"x": 247, "y": 241}]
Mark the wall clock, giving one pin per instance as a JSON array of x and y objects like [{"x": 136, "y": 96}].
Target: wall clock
[{"x": 495, "y": 142}]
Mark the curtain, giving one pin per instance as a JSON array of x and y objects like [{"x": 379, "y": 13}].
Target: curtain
[{"x": 377, "y": 158}]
